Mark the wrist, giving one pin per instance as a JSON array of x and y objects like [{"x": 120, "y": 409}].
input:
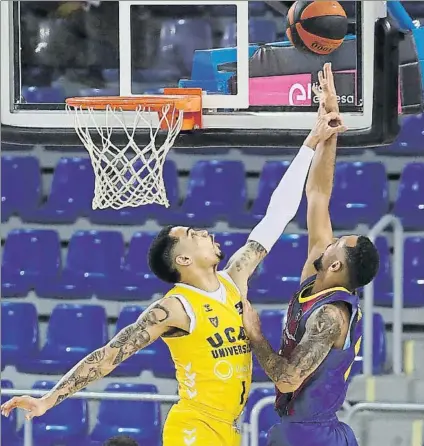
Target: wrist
[
  {"x": 311, "y": 141},
  {"x": 49, "y": 400}
]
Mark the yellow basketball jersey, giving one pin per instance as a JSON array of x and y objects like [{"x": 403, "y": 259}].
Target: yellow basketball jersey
[{"x": 213, "y": 362}]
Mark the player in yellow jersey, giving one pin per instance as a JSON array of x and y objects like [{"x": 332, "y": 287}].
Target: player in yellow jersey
[{"x": 200, "y": 319}]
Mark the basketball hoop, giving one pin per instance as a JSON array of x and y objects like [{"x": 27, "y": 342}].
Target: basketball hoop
[{"x": 132, "y": 175}]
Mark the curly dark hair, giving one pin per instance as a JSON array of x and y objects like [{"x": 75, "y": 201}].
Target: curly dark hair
[
  {"x": 160, "y": 256},
  {"x": 120, "y": 441},
  {"x": 363, "y": 262}
]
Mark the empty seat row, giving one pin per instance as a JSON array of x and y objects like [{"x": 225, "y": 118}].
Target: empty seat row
[
  {"x": 69, "y": 423},
  {"x": 76, "y": 330},
  {"x": 216, "y": 191},
  {"x": 98, "y": 264}
]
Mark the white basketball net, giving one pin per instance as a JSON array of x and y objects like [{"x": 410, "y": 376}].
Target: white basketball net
[{"x": 130, "y": 175}]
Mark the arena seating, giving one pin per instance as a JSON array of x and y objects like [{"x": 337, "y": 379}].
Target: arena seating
[
  {"x": 9, "y": 434},
  {"x": 66, "y": 424},
  {"x": 139, "y": 419}
]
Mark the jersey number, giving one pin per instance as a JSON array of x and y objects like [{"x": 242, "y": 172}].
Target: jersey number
[{"x": 243, "y": 392}]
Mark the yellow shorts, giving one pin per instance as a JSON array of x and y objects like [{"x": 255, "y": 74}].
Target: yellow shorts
[{"x": 188, "y": 427}]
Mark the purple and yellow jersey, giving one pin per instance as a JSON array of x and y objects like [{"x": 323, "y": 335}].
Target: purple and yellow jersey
[{"x": 322, "y": 394}]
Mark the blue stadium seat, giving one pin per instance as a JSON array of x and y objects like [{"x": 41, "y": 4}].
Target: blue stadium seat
[
  {"x": 230, "y": 242},
  {"x": 71, "y": 193},
  {"x": 92, "y": 266},
  {"x": 383, "y": 283},
  {"x": 20, "y": 185},
  {"x": 272, "y": 328},
  {"x": 257, "y": 8},
  {"x": 9, "y": 436},
  {"x": 19, "y": 332},
  {"x": 163, "y": 366},
  {"x": 410, "y": 140},
  {"x": 140, "y": 420},
  {"x": 360, "y": 194},
  {"x": 409, "y": 205},
  {"x": 143, "y": 359},
  {"x": 216, "y": 190},
  {"x": 262, "y": 30},
  {"x": 268, "y": 416},
  {"x": 414, "y": 272},
  {"x": 271, "y": 175},
  {"x": 65, "y": 424},
  {"x": 73, "y": 332},
  {"x": 178, "y": 41},
  {"x": 95, "y": 92},
  {"x": 135, "y": 281},
  {"x": 31, "y": 258},
  {"x": 139, "y": 215},
  {"x": 43, "y": 95},
  {"x": 278, "y": 276},
  {"x": 379, "y": 349}
]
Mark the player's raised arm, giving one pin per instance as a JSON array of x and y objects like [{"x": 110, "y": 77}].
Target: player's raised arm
[
  {"x": 152, "y": 323},
  {"x": 282, "y": 207},
  {"x": 323, "y": 329},
  {"x": 320, "y": 181}
]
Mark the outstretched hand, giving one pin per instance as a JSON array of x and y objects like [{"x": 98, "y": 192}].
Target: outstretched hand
[
  {"x": 34, "y": 406},
  {"x": 326, "y": 93},
  {"x": 251, "y": 320},
  {"x": 327, "y": 125}
]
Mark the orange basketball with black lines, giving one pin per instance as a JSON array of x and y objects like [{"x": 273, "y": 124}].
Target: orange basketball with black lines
[{"x": 318, "y": 26}]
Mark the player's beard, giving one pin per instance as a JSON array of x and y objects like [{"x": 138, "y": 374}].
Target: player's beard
[
  {"x": 221, "y": 256},
  {"x": 318, "y": 263}
]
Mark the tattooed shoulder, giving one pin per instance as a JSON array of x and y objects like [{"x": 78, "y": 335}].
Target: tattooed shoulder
[{"x": 326, "y": 322}]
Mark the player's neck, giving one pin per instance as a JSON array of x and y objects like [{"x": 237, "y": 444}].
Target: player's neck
[
  {"x": 321, "y": 284},
  {"x": 206, "y": 280}
]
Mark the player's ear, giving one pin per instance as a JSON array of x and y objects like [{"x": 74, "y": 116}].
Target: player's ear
[
  {"x": 335, "y": 266},
  {"x": 183, "y": 260}
]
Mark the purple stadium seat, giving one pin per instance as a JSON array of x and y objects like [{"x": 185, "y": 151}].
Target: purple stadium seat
[
  {"x": 383, "y": 283},
  {"x": 178, "y": 41},
  {"x": 230, "y": 242},
  {"x": 268, "y": 416},
  {"x": 410, "y": 140},
  {"x": 216, "y": 190},
  {"x": 71, "y": 193},
  {"x": 143, "y": 359},
  {"x": 414, "y": 272},
  {"x": 414, "y": 9},
  {"x": 271, "y": 175},
  {"x": 409, "y": 205},
  {"x": 135, "y": 281},
  {"x": 19, "y": 332},
  {"x": 140, "y": 420},
  {"x": 278, "y": 276},
  {"x": 73, "y": 332},
  {"x": 65, "y": 424},
  {"x": 272, "y": 327},
  {"x": 31, "y": 258},
  {"x": 139, "y": 215},
  {"x": 229, "y": 38},
  {"x": 262, "y": 30},
  {"x": 20, "y": 185},
  {"x": 92, "y": 265},
  {"x": 43, "y": 95},
  {"x": 360, "y": 194},
  {"x": 9, "y": 435},
  {"x": 379, "y": 349}
]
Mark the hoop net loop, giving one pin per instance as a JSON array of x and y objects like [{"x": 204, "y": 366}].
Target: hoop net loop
[{"x": 131, "y": 175}]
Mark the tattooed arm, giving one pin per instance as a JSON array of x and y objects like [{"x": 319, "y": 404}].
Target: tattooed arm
[
  {"x": 326, "y": 328},
  {"x": 155, "y": 321},
  {"x": 244, "y": 262}
]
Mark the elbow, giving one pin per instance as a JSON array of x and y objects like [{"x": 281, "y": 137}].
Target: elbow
[{"x": 289, "y": 385}]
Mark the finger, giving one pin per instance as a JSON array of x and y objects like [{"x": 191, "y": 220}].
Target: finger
[
  {"x": 29, "y": 416},
  {"x": 320, "y": 77},
  {"x": 332, "y": 116},
  {"x": 341, "y": 129}
]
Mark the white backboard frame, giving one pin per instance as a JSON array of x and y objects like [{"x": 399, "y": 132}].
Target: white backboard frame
[{"x": 242, "y": 120}]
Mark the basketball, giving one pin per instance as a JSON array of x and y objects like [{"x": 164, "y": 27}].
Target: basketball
[{"x": 318, "y": 26}]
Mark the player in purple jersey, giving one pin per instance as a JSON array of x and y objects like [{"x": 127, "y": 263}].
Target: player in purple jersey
[{"x": 322, "y": 333}]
